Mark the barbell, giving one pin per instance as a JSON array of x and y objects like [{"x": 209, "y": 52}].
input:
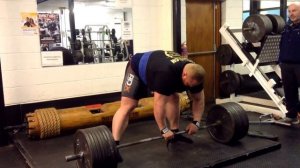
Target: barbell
[
  {"x": 95, "y": 147},
  {"x": 257, "y": 26}
]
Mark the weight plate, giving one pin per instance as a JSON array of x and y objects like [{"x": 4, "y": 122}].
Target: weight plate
[
  {"x": 277, "y": 22},
  {"x": 237, "y": 122},
  {"x": 81, "y": 144},
  {"x": 255, "y": 27},
  {"x": 242, "y": 121},
  {"x": 243, "y": 118},
  {"x": 226, "y": 56},
  {"x": 107, "y": 147},
  {"x": 102, "y": 147},
  {"x": 223, "y": 133},
  {"x": 101, "y": 153},
  {"x": 112, "y": 148},
  {"x": 93, "y": 146},
  {"x": 229, "y": 82}
]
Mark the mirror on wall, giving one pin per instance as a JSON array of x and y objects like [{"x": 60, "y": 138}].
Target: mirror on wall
[{"x": 85, "y": 31}]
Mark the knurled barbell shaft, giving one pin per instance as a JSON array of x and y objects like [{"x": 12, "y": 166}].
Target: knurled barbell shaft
[
  {"x": 161, "y": 137},
  {"x": 145, "y": 140},
  {"x": 80, "y": 155}
]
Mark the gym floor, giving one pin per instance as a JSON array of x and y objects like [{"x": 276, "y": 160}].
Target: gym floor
[{"x": 204, "y": 152}]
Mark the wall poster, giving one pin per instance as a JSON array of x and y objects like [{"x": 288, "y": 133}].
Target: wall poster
[
  {"x": 29, "y": 23},
  {"x": 49, "y": 29}
]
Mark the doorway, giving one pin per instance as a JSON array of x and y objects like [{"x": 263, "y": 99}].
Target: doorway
[{"x": 203, "y": 19}]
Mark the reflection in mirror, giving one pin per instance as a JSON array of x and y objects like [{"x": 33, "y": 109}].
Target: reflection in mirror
[{"x": 102, "y": 32}]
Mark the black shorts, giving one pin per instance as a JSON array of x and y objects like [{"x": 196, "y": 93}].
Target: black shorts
[{"x": 132, "y": 86}]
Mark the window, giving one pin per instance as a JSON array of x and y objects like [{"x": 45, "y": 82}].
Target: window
[
  {"x": 270, "y": 7},
  {"x": 270, "y": 11},
  {"x": 246, "y": 9},
  {"x": 264, "y": 4}
]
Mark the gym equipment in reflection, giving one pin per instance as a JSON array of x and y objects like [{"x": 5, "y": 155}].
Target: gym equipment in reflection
[
  {"x": 94, "y": 44},
  {"x": 100, "y": 44}
]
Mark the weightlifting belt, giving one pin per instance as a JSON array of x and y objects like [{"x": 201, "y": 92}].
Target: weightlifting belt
[{"x": 143, "y": 66}]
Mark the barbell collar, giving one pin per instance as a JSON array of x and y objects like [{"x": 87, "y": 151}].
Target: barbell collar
[{"x": 74, "y": 157}]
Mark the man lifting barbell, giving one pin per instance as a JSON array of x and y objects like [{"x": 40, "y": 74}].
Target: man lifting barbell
[{"x": 166, "y": 74}]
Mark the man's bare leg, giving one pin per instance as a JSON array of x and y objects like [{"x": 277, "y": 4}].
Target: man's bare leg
[{"x": 121, "y": 117}]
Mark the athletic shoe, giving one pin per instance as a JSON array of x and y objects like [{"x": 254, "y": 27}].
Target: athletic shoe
[{"x": 288, "y": 120}]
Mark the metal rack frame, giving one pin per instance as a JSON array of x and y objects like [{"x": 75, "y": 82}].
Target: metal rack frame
[{"x": 253, "y": 66}]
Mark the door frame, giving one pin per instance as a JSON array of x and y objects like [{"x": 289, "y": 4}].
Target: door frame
[{"x": 176, "y": 4}]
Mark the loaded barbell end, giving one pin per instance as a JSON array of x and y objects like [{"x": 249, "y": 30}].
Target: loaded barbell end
[
  {"x": 218, "y": 122},
  {"x": 248, "y": 29},
  {"x": 74, "y": 157}
]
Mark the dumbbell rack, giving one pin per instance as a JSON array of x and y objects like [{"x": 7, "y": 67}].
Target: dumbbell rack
[{"x": 253, "y": 67}]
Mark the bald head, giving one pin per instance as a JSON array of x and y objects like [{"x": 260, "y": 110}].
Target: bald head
[
  {"x": 294, "y": 12},
  {"x": 195, "y": 72}
]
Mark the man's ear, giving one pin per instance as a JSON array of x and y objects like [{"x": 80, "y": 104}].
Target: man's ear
[{"x": 184, "y": 74}]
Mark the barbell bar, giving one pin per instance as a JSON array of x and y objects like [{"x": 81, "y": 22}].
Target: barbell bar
[
  {"x": 160, "y": 137},
  {"x": 95, "y": 146},
  {"x": 80, "y": 154}
]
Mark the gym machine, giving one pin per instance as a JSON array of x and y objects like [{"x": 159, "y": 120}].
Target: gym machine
[{"x": 262, "y": 31}]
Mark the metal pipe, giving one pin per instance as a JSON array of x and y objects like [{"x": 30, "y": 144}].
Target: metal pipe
[
  {"x": 3, "y": 134},
  {"x": 176, "y": 26},
  {"x": 254, "y": 7},
  {"x": 215, "y": 48},
  {"x": 283, "y": 8},
  {"x": 72, "y": 24}
]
